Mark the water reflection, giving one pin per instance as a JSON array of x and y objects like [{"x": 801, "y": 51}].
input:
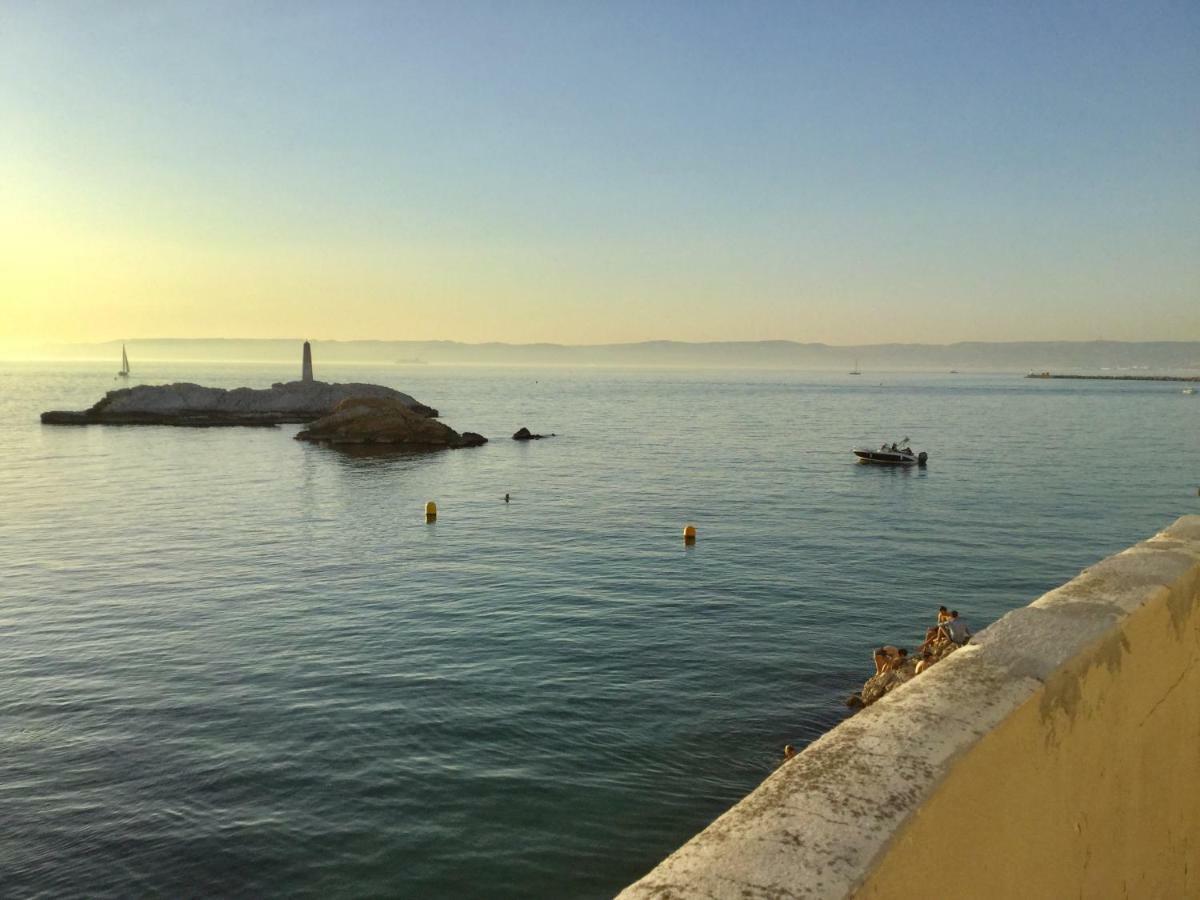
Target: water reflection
[
  {"x": 389, "y": 457},
  {"x": 906, "y": 471}
]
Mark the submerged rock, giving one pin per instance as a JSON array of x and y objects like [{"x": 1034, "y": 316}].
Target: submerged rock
[
  {"x": 378, "y": 420},
  {"x": 524, "y": 434},
  {"x": 198, "y": 406}
]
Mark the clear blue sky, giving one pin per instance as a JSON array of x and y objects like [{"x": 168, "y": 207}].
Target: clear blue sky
[{"x": 585, "y": 172}]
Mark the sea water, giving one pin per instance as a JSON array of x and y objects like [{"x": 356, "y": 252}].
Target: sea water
[{"x": 234, "y": 664}]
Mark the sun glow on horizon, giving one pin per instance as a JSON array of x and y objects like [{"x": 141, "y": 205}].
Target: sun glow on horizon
[{"x": 594, "y": 176}]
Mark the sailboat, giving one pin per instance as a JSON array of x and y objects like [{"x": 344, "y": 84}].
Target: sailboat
[
  {"x": 857, "y": 370},
  {"x": 124, "y": 373}
]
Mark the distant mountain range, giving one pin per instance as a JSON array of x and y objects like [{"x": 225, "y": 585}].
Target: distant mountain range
[{"x": 966, "y": 356}]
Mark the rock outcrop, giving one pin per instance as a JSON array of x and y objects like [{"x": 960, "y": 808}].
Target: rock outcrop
[
  {"x": 524, "y": 434},
  {"x": 378, "y": 420},
  {"x": 891, "y": 678},
  {"x": 197, "y": 406}
]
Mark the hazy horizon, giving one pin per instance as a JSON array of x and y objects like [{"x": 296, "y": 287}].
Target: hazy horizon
[
  {"x": 598, "y": 174},
  {"x": 969, "y": 356}
]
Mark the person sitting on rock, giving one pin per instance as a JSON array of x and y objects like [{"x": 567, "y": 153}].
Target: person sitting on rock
[
  {"x": 902, "y": 667},
  {"x": 896, "y": 669},
  {"x": 956, "y": 630},
  {"x": 933, "y": 633},
  {"x": 927, "y": 660},
  {"x": 889, "y": 658},
  {"x": 884, "y": 656},
  {"x": 788, "y": 752}
]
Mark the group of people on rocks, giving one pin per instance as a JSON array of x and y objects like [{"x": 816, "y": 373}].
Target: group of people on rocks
[{"x": 894, "y": 666}]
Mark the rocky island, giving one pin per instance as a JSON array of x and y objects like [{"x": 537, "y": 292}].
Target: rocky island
[
  {"x": 382, "y": 420},
  {"x": 197, "y": 406},
  {"x": 292, "y": 402}
]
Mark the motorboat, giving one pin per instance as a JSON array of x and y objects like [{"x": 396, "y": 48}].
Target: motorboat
[{"x": 898, "y": 453}]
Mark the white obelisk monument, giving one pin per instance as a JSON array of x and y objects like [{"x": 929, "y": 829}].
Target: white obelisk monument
[{"x": 306, "y": 373}]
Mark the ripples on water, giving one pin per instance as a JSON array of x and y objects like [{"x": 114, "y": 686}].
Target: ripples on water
[{"x": 233, "y": 664}]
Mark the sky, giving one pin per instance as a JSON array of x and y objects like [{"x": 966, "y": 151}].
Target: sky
[{"x": 588, "y": 172}]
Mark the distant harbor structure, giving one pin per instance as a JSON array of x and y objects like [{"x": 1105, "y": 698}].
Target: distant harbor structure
[
  {"x": 1194, "y": 378},
  {"x": 306, "y": 371}
]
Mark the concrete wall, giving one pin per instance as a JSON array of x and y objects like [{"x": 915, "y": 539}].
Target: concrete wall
[{"x": 1057, "y": 756}]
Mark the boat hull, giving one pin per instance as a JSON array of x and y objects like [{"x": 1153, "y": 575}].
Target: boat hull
[
  {"x": 889, "y": 458},
  {"x": 884, "y": 459}
]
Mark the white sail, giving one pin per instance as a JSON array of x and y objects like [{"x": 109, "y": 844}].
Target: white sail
[{"x": 124, "y": 361}]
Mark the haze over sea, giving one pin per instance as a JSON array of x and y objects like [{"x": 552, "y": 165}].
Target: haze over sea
[{"x": 233, "y": 664}]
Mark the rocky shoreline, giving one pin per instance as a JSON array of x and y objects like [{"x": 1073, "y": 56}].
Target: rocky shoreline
[
  {"x": 882, "y": 683},
  {"x": 894, "y": 666}
]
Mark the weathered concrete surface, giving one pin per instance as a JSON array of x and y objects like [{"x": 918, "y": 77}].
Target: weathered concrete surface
[{"x": 1056, "y": 756}]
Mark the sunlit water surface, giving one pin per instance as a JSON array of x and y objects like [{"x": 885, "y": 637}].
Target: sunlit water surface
[{"x": 234, "y": 664}]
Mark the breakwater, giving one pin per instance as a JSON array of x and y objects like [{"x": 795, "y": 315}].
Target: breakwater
[
  {"x": 1053, "y": 756},
  {"x": 1191, "y": 378}
]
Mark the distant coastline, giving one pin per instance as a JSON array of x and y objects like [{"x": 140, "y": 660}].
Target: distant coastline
[{"x": 1146, "y": 358}]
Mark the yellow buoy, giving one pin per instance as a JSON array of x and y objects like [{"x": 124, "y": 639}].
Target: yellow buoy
[
  {"x": 430, "y": 511},
  {"x": 689, "y": 534}
]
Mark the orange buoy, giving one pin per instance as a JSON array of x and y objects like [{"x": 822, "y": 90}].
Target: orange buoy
[
  {"x": 689, "y": 534},
  {"x": 430, "y": 511}
]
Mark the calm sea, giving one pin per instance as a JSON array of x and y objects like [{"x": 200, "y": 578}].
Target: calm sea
[{"x": 234, "y": 664}]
